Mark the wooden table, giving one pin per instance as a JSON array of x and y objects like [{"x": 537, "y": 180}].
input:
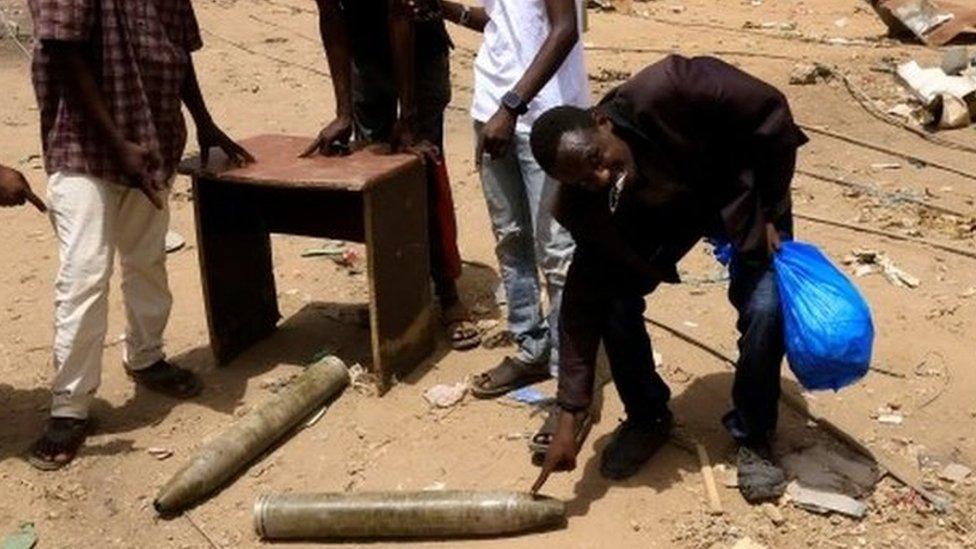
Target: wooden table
[{"x": 377, "y": 199}]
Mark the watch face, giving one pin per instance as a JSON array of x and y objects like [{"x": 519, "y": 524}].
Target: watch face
[{"x": 512, "y": 101}]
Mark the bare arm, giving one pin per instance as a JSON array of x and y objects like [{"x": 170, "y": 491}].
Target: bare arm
[
  {"x": 337, "y": 51},
  {"x": 563, "y": 35},
  {"x": 135, "y": 159},
  {"x": 403, "y": 53},
  {"x": 208, "y": 134},
  {"x": 193, "y": 98},
  {"x": 402, "y": 29},
  {"x": 335, "y": 136}
]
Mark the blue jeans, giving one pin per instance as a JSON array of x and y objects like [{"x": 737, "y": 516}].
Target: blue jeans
[
  {"x": 756, "y": 389},
  {"x": 527, "y": 240}
]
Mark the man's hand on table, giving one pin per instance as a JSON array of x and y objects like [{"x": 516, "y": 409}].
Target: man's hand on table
[
  {"x": 333, "y": 140},
  {"x": 209, "y": 136}
]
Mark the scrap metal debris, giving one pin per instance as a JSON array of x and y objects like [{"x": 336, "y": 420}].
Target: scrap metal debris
[
  {"x": 823, "y": 502},
  {"x": 955, "y": 472},
  {"x": 805, "y": 74},
  {"x": 362, "y": 381},
  {"x": 947, "y": 96},
  {"x": 934, "y": 22},
  {"x": 445, "y": 396},
  {"x": 828, "y": 469},
  {"x": 174, "y": 242},
  {"x": 24, "y": 538},
  {"x": 891, "y": 419},
  {"x": 866, "y": 262},
  {"x": 159, "y": 452}
]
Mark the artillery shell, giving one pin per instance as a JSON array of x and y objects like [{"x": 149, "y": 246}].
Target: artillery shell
[
  {"x": 224, "y": 456},
  {"x": 430, "y": 514}
]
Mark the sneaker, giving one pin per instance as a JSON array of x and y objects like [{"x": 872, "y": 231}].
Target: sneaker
[
  {"x": 759, "y": 478},
  {"x": 633, "y": 444}
]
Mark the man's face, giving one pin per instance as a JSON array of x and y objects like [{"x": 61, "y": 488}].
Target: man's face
[{"x": 594, "y": 159}]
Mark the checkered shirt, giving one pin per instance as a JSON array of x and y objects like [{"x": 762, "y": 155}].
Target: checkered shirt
[{"x": 140, "y": 54}]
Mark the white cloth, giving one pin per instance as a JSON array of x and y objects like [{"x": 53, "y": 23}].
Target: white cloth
[
  {"x": 92, "y": 219},
  {"x": 513, "y": 37}
]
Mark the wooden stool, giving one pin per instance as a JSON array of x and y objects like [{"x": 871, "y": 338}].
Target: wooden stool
[{"x": 380, "y": 200}]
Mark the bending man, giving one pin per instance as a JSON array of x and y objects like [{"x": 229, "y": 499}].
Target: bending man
[{"x": 687, "y": 148}]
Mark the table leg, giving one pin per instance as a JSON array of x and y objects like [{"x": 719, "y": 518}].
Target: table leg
[
  {"x": 235, "y": 267},
  {"x": 401, "y": 313}
]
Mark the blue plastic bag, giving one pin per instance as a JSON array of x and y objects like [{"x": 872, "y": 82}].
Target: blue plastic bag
[
  {"x": 722, "y": 249},
  {"x": 826, "y": 323}
]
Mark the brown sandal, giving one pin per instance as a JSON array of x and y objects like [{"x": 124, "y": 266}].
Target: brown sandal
[
  {"x": 62, "y": 437},
  {"x": 461, "y": 331},
  {"x": 508, "y": 376},
  {"x": 463, "y": 334},
  {"x": 539, "y": 444}
]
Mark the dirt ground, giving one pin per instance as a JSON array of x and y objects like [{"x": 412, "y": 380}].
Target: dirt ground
[{"x": 262, "y": 72}]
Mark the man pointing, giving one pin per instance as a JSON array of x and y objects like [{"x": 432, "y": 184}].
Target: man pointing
[{"x": 686, "y": 149}]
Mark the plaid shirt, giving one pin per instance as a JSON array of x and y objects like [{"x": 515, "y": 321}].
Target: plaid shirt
[{"x": 140, "y": 53}]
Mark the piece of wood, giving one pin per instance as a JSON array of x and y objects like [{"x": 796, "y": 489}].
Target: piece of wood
[
  {"x": 378, "y": 199},
  {"x": 401, "y": 313},
  {"x": 773, "y": 513},
  {"x": 868, "y": 104},
  {"x": 708, "y": 479},
  {"x": 278, "y": 165},
  {"x": 234, "y": 252}
]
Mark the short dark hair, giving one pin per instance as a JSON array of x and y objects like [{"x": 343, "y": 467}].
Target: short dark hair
[{"x": 549, "y": 129}]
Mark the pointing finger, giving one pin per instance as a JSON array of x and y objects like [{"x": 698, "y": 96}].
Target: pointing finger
[
  {"x": 543, "y": 477},
  {"x": 35, "y": 200},
  {"x": 248, "y": 157}
]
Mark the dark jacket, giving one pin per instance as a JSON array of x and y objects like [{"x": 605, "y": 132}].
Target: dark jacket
[{"x": 715, "y": 150}]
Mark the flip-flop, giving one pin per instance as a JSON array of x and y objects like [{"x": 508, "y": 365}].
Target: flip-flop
[
  {"x": 456, "y": 333},
  {"x": 539, "y": 444},
  {"x": 508, "y": 376},
  {"x": 167, "y": 379},
  {"x": 62, "y": 436}
]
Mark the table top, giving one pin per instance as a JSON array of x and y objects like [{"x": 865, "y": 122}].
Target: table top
[{"x": 278, "y": 165}]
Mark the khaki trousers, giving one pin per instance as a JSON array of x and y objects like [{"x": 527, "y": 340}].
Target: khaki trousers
[{"x": 92, "y": 220}]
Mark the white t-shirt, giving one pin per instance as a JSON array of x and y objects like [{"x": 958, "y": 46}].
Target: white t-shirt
[{"x": 512, "y": 39}]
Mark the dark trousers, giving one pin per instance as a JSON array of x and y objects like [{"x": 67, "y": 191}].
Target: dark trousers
[
  {"x": 375, "y": 112},
  {"x": 756, "y": 389}
]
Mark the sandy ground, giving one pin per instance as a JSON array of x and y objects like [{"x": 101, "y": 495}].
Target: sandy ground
[{"x": 258, "y": 75}]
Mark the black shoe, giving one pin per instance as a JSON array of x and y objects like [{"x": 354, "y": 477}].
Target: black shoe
[
  {"x": 759, "y": 478},
  {"x": 633, "y": 444},
  {"x": 168, "y": 379}
]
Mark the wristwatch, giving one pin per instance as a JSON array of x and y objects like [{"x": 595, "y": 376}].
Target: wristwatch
[{"x": 514, "y": 103}]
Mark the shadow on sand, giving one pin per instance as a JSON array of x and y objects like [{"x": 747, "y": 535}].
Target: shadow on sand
[
  {"x": 698, "y": 410},
  {"x": 319, "y": 328}
]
